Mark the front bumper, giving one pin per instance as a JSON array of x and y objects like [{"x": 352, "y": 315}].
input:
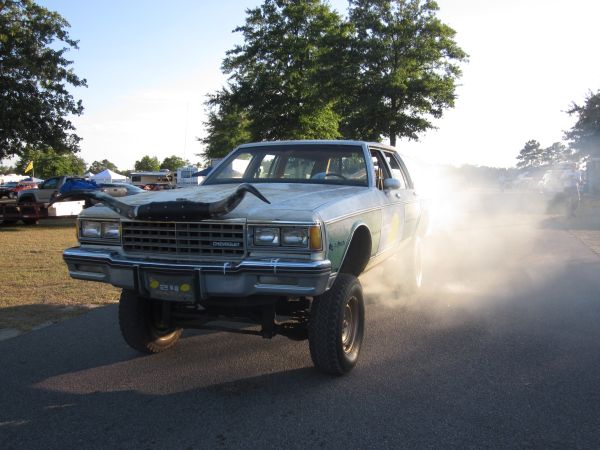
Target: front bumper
[{"x": 219, "y": 279}]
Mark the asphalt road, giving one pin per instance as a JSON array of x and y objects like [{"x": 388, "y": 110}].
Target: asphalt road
[{"x": 501, "y": 349}]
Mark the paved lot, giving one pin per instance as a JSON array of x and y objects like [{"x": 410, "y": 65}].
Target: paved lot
[{"x": 500, "y": 350}]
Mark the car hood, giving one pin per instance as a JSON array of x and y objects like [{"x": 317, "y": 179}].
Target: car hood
[{"x": 288, "y": 201}]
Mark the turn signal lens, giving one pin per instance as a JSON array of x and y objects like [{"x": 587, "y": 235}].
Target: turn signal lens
[{"x": 316, "y": 242}]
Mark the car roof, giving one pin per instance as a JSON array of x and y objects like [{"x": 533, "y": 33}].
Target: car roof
[{"x": 318, "y": 142}]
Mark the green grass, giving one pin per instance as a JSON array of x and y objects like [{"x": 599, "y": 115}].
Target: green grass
[{"x": 34, "y": 281}]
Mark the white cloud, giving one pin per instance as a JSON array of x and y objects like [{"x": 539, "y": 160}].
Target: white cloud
[{"x": 157, "y": 121}]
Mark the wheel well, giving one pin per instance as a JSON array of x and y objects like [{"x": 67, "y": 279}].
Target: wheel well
[{"x": 359, "y": 252}]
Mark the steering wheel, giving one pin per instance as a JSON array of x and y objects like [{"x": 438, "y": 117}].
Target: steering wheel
[{"x": 335, "y": 174}]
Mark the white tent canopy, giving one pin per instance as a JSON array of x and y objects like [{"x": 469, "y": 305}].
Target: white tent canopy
[{"x": 108, "y": 176}]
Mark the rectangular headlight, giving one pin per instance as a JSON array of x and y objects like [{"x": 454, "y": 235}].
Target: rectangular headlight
[
  {"x": 91, "y": 229},
  {"x": 111, "y": 230},
  {"x": 266, "y": 236},
  {"x": 296, "y": 237},
  {"x": 100, "y": 229}
]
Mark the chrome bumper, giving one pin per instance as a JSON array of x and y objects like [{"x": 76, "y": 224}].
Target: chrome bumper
[{"x": 218, "y": 279}]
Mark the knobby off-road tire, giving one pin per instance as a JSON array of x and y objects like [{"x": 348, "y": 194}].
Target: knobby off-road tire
[
  {"x": 336, "y": 326},
  {"x": 139, "y": 327}
]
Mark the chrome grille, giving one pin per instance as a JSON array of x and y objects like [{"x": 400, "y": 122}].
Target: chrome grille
[{"x": 184, "y": 239}]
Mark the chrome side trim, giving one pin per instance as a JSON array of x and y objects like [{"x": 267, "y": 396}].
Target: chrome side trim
[{"x": 355, "y": 213}]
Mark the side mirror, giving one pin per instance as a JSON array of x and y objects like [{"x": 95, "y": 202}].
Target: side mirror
[{"x": 391, "y": 183}]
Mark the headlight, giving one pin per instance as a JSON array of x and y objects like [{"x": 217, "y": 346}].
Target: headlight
[
  {"x": 111, "y": 230},
  {"x": 266, "y": 236},
  {"x": 91, "y": 229},
  {"x": 99, "y": 230},
  {"x": 294, "y": 237},
  {"x": 308, "y": 237}
]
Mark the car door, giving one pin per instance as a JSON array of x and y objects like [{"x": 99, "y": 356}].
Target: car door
[
  {"x": 406, "y": 193},
  {"x": 393, "y": 209},
  {"x": 48, "y": 187}
]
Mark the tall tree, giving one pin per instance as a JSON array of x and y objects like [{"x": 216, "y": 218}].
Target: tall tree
[
  {"x": 49, "y": 163},
  {"x": 34, "y": 80},
  {"x": 530, "y": 155},
  {"x": 557, "y": 152},
  {"x": 281, "y": 77},
  {"x": 99, "y": 166},
  {"x": 173, "y": 163},
  {"x": 227, "y": 126},
  {"x": 147, "y": 164},
  {"x": 585, "y": 134},
  {"x": 405, "y": 65}
]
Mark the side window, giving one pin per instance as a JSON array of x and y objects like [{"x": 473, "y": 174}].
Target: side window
[
  {"x": 52, "y": 183},
  {"x": 267, "y": 167},
  {"x": 381, "y": 169},
  {"x": 397, "y": 171}
]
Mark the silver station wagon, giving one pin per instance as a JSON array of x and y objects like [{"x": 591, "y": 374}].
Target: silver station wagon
[{"x": 276, "y": 238}]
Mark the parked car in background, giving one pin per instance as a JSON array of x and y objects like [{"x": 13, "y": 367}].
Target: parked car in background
[
  {"x": 286, "y": 257},
  {"x": 46, "y": 190},
  {"x": 12, "y": 189},
  {"x": 7, "y": 189},
  {"x": 120, "y": 189}
]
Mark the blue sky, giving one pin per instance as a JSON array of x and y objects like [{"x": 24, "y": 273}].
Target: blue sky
[{"x": 150, "y": 64}]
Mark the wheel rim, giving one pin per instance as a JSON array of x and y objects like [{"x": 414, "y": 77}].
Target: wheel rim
[{"x": 350, "y": 325}]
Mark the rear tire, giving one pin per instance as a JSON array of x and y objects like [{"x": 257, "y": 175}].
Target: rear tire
[
  {"x": 336, "y": 326},
  {"x": 140, "y": 324}
]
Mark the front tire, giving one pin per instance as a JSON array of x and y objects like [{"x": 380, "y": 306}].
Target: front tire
[
  {"x": 336, "y": 326},
  {"x": 139, "y": 320}
]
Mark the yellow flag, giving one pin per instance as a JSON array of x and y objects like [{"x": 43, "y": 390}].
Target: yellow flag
[{"x": 29, "y": 167}]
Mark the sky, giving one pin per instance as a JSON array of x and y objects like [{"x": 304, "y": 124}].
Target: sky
[{"x": 150, "y": 64}]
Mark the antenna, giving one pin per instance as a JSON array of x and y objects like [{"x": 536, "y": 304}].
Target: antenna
[{"x": 187, "y": 115}]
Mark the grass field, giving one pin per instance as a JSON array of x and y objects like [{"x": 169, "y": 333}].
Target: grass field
[{"x": 34, "y": 283}]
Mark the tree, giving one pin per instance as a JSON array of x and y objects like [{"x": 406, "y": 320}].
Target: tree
[
  {"x": 530, "y": 155},
  {"x": 173, "y": 163},
  {"x": 281, "y": 79},
  {"x": 557, "y": 152},
  {"x": 99, "y": 166},
  {"x": 228, "y": 126},
  {"x": 147, "y": 164},
  {"x": 34, "y": 75},
  {"x": 5, "y": 170},
  {"x": 405, "y": 65},
  {"x": 49, "y": 163},
  {"x": 584, "y": 137}
]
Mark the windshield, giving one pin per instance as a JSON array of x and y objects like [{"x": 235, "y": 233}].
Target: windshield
[{"x": 320, "y": 164}]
